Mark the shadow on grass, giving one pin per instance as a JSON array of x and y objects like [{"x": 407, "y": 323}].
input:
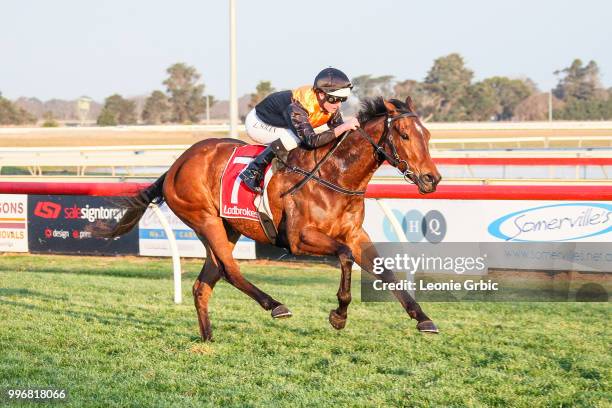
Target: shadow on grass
[
  {"x": 120, "y": 320},
  {"x": 299, "y": 278},
  {"x": 122, "y": 273},
  {"x": 24, "y": 292},
  {"x": 282, "y": 279},
  {"x": 286, "y": 277},
  {"x": 110, "y": 316}
]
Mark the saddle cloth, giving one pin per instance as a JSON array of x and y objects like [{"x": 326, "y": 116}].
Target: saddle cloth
[{"x": 237, "y": 200}]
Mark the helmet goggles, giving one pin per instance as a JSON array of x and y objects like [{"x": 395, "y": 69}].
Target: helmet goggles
[
  {"x": 335, "y": 99},
  {"x": 334, "y": 83}
]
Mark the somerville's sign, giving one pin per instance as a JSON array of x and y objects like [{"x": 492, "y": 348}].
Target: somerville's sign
[{"x": 556, "y": 222}]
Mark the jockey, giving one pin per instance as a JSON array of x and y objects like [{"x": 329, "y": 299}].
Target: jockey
[{"x": 308, "y": 116}]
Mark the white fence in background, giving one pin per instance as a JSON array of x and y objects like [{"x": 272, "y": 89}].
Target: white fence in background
[
  {"x": 129, "y": 158},
  {"x": 519, "y": 141},
  {"x": 224, "y": 127},
  {"x": 118, "y": 129},
  {"x": 576, "y": 133}
]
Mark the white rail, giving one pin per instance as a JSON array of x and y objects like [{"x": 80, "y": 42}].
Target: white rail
[
  {"x": 224, "y": 127},
  {"x": 117, "y": 129},
  {"x": 84, "y": 158},
  {"x": 128, "y": 157},
  {"x": 492, "y": 142}
]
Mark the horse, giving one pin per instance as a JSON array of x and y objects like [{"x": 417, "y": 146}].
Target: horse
[{"x": 324, "y": 216}]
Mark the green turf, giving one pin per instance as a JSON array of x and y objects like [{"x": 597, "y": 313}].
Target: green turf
[{"x": 105, "y": 329}]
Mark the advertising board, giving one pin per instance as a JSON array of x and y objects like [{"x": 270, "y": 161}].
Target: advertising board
[
  {"x": 13, "y": 223},
  {"x": 57, "y": 224},
  {"x": 153, "y": 240},
  {"x": 491, "y": 221},
  {"x": 551, "y": 230}
]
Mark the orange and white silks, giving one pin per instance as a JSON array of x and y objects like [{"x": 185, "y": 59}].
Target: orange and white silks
[{"x": 306, "y": 96}]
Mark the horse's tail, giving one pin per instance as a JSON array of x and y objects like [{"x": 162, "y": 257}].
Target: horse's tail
[{"x": 135, "y": 208}]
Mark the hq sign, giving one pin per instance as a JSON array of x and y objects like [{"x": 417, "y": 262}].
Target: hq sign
[
  {"x": 491, "y": 221},
  {"x": 57, "y": 224},
  {"x": 417, "y": 226},
  {"x": 556, "y": 222}
]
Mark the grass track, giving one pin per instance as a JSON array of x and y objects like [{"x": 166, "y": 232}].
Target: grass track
[{"x": 106, "y": 330}]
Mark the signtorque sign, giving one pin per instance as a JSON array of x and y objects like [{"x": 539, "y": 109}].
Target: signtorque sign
[{"x": 57, "y": 224}]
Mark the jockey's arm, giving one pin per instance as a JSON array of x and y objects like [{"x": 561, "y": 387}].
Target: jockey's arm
[
  {"x": 335, "y": 121},
  {"x": 298, "y": 117},
  {"x": 339, "y": 125}
]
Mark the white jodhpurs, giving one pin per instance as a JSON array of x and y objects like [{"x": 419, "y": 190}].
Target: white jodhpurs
[{"x": 265, "y": 134}]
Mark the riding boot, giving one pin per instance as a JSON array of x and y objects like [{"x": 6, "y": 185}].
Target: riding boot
[{"x": 254, "y": 173}]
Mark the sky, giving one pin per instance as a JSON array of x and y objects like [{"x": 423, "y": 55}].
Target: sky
[{"x": 68, "y": 48}]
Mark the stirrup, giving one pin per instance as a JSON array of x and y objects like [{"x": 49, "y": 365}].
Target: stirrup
[
  {"x": 252, "y": 179},
  {"x": 253, "y": 187}
]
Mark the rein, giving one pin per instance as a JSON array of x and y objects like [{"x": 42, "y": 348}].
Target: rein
[
  {"x": 379, "y": 150},
  {"x": 311, "y": 174}
]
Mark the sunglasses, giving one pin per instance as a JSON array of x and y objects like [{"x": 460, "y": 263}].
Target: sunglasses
[{"x": 335, "y": 99}]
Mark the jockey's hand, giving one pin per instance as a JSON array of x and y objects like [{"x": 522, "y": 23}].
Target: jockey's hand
[{"x": 349, "y": 124}]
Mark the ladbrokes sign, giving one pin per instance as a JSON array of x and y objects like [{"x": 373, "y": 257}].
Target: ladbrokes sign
[{"x": 57, "y": 224}]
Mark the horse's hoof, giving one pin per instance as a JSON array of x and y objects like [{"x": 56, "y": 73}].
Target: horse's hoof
[
  {"x": 338, "y": 322},
  {"x": 427, "y": 326},
  {"x": 206, "y": 337},
  {"x": 281, "y": 311}
]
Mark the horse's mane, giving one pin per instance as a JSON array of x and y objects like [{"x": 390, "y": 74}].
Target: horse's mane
[{"x": 375, "y": 107}]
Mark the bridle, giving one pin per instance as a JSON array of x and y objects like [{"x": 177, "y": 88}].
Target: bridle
[{"x": 379, "y": 148}]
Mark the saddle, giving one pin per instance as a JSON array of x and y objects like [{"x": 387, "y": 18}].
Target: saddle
[{"x": 237, "y": 200}]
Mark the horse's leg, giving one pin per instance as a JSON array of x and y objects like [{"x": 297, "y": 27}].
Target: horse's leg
[
  {"x": 204, "y": 285},
  {"x": 366, "y": 261},
  {"x": 216, "y": 234},
  {"x": 315, "y": 242},
  {"x": 202, "y": 291}
]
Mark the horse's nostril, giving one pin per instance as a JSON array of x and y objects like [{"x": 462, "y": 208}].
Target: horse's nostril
[{"x": 428, "y": 178}]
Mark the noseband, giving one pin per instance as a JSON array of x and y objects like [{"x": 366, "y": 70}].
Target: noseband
[{"x": 379, "y": 148}]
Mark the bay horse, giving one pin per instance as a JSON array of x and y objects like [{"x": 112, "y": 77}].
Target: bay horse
[{"x": 323, "y": 217}]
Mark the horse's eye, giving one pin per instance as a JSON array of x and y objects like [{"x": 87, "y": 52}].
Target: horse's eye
[{"x": 404, "y": 136}]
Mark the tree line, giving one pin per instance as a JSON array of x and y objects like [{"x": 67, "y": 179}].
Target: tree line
[
  {"x": 447, "y": 93},
  {"x": 11, "y": 114},
  {"x": 183, "y": 102}
]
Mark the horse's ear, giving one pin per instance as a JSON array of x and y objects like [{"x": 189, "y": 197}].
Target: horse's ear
[
  {"x": 390, "y": 107},
  {"x": 410, "y": 104}
]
